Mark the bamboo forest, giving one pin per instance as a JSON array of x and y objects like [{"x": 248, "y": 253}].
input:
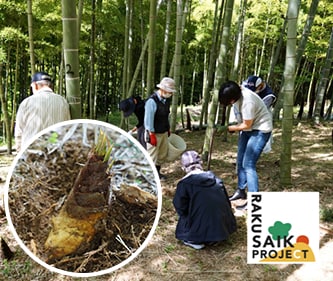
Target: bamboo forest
[
  {"x": 99, "y": 53},
  {"x": 125, "y": 47}
]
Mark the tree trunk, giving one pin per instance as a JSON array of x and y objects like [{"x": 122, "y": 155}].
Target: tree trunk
[
  {"x": 144, "y": 41},
  {"x": 208, "y": 82},
  {"x": 79, "y": 20},
  {"x": 220, "y": 77},
  {"x": 151, "y": 46},
  {"x": 127, "y": 59},
  {"x": 301, "y": 93},
  {"x": 263, "y": 48},
  {"x": 311, "y": 91},
  {"x": 71, "y": 57},
  {"x": 92, "y": 96},
  {"x": 13, "y": 107},
  {"x": 328, "y": 113},
  {"x": 279, "y": 104},
  {"x": 277, "y": 52},
  {"x": 5, "y": 115},
  {"x": 194, "y": 75},
  {"x": 178, "y": 59},
  {"x": 306, "y": 32},
  {"x": 289, "y": 85},
  {"x": 139, "y": 65},
  {"x": 239, "y": 42},
  {"x": 166, "y": 41},
  {"x": 126, "y": 50},
  {"x": 31, "y": 38},
  {"x": 324, "y": 78}
]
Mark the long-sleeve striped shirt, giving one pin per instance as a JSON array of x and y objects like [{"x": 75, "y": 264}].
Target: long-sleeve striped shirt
[{"x": 37, "y": 112}]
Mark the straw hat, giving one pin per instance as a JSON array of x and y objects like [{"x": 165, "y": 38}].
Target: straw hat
[{"x": 167, "y": 84}]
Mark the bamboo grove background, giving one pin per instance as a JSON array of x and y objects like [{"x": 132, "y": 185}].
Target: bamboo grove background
[{"x": 124, "y": 48}]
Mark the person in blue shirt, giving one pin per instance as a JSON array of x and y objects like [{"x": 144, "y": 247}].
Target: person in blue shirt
[
  {"x": 202, "y": 204},
  {"x": 156, "y": 122}
]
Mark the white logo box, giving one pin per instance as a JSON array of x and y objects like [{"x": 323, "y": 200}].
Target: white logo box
[{"x": 282, "y": 227}]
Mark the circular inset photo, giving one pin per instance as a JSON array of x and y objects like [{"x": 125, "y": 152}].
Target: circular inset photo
[{"x": 83, "y": 199}]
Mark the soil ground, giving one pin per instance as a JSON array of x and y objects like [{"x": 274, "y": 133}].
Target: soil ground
[{"x": 165, "y": 258}]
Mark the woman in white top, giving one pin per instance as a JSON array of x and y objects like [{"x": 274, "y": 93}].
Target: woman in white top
[{"x": 254, "y": 124}]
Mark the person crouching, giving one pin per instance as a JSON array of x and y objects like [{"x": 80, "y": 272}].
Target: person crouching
[{"x": 202, "y": 204}]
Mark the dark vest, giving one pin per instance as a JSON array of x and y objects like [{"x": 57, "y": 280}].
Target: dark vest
[
  {"x": 268, "y": 92},
  {"x": 161, "y": 120}
]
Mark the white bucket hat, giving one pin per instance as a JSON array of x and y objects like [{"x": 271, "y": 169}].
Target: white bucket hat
[{"x": 167, "y": 84}]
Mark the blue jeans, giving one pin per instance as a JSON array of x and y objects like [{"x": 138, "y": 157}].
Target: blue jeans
[{"x": 250, "y": 146}]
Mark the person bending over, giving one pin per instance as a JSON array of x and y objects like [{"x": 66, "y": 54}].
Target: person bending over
[{"x": 254, "y": 124}]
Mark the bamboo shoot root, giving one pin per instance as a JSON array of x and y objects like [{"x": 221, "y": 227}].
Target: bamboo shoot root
[{"x": 69, "y": 235}]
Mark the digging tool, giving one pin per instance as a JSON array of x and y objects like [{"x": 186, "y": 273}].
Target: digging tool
[{"x": 211, "y": 142}]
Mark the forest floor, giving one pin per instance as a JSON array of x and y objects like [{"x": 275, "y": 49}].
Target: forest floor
[{"x": 165, "y": 258}]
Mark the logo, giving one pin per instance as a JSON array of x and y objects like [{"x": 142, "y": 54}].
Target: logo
[{"x": 282, "y": 227}]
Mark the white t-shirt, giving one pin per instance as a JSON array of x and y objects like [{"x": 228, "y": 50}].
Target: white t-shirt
[{"x": 251, "y": 107}]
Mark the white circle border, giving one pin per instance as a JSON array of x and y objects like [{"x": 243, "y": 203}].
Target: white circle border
[{"x": 101, "y": 272}]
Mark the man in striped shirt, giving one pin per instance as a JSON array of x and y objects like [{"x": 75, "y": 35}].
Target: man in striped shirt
[{"x": 39, "y": 111}]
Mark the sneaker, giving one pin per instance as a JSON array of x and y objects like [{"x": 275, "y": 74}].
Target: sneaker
[
  {"x": 239, "y": 194},
  {"x": 242, "y": 207},
  {"x": 194, "y": 246}
]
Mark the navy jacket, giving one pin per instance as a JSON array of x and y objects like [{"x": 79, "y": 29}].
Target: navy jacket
[{"x": 204, "y": 210}]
